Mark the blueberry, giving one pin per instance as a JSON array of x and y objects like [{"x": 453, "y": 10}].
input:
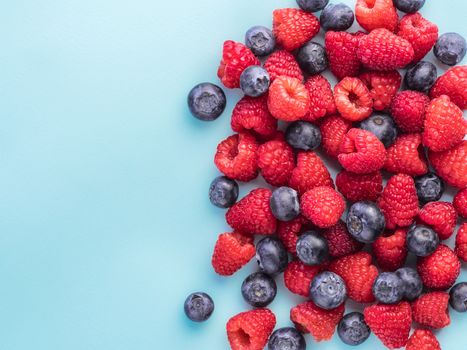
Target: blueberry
[
  {"x": 303, "y": 135},
  {"x": 206, "y": 101},
  {"x": 352, "y": 329},
  {"x": 413, "y": 285},
  {"x": 430, "y": 187},
  {"x": 287, "y": 338},
  {"x": 458, "y": 297},
  {"x": 421, "y": 77},
  {"x": 312, "y": 248},
  {"x": 259, "y": 289},
  {"x": 328, "y": 290},
  {"x": 422, "y": 240},
  {"x": 409, "y": 6},
  {"x": 336, "y": 17},
  {"x": 223, "y": 192},
  {"x": 271, "y": 255},
  {"x": 312, "y": 5},
  {"x": 382, "y": 126},
  {"x": 312, "y": 58},
  {"x": 365, "y": 221},
  {"x": 284, "y": 204},
  {"x": 450, "y": 48},
  {"x": 388, "y": 288},
  {"x": 198, "y": 307},
  {"x": 254, "y": 81},
  {"x": 260, "y": 40}
]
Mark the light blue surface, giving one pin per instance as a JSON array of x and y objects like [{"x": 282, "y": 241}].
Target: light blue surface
[{"x": 104, "y": 218}]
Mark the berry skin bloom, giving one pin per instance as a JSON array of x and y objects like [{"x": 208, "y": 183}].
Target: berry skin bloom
[
  {"x": 460, "y": 203},
  {"x": 353, "y": 99},
  {"x": 374, "y": 14},
  {"x": 440, "y": 216},
  {"x": 288, "y": 99},
  {"x": 408, "y": 110},
  {"x": 298, "y": 277},
  {"x": 461, "y": 242},
  {"x": 360, "y": 187},
  {"x": 323, "y": 206},
  {"x": 321, "y": 98},
  {"x": 422, "y": 339},
  {"x": 383, "y": 87},
  {"x": 282, "y": 63},
  {"x": 309, "y": 173},
  {"x": 276, "y": 161},
  {"x": 451, "y": 165},
  {"x": 431, "y": 310},
  {"x": 391, "y": 251},
  {"x": 453, "y": 84},
  {"x": 341, "y": 49},
  {"x": 340, "y": 242},
  {"x": 253, "y": 114},
  {"x": 407, "y": 156}
]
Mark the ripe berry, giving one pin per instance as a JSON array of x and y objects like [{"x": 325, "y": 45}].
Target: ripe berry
[
  {"x": 388, "y": 288},
  {"x": 281, "y": 63},
  {"x": 451, "y": 165},
  {"x": 321, "y": 98},
  {"x": 408, "y": 110},
  {"x": 284, "y": 204},
  {"x": 259, "y": 289},
  {"x": 440, "y": 216},
  {"x": 382, "y": 126},
  {"x": 328, "y": 290},
  {"x": 276, "y": 162},
  {"x": 198, "y": 307},
  {"x": 431, "y": 310},
  {"x": 430, "y": 187},
  {"x": 312, "y": 58},
  {"x": 309, "y": 173},
  {"x": 374, "y": 14},
  {"x": 223, "y": 192},
  {"x": 260, "y": 40},
  {"x": 383, "y": 87},
  {"x": 312, "y": 5},
  {"x": 323, "y": 206},
  {"x": 461, "y": 242},
  {"x": 333, "y": 130},
  {"x": 407, "y": 156},
  {"x": 353, "y": 99},
  {"x": 391, "y": 251},
  {"x": 458, "y": 297},
  {"x": 341, "y": 48},
  {"x": 312, "y": 248},
  {"x": 252, "y": 328},
  {"x": 453, "y": 84},
  {"x": 460, "y": 203},
  {"x": 340, "y": 242},
  {"x": 365, "y": 221},
  {"x": 254, "y": 81},
  {"x": 421, "y": 77},
  {"x": 271, "y": 255},
  {"x": 352, "y": 329},
  {"x": 286, "y": 338},
  {"x": 206, "y": 101},
  {"x": 303, "y": 135},
  {"x": 450, "y": 48},
  {"x": 231, "y": 252},
  {"x": 337, "y": 17},
  {"x": 409, "y": 6},
  {"x": 413, "y": 285},
  {"x": 288, "y": 99},
  {"x": 252, "y": 114},
  {"x": 422, "y": 240},
  {"x": 422, "y": 339},
  {"x": 298, "y": 277},
  {"x": 359, "y": 187}
]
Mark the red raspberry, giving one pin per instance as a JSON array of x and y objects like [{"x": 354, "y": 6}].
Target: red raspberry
[
  {"x": 419, "y": 32},
  {"x": 383, "y": 50},
  {"x": 444, "y": 125},
  {"x": 431, "y": 310},
  {"x": 288, "y": 99},
  {"x": 440, "y": 216},
  {"x": 460, "y": 203},
  {"x": 358, "y": 274},
  {"x": 390, "y": 323},
  {"x": 289, "y": 231},
  {"x": 293, "y": 27},
  {"x": 236, "y": 157},
  {"x": 383, "y": 87},
  {"x": 309, "y": 173},
  {"x": 282, "y": 63},
  {"x": 391, "y": 251},
  {"x": 298, "y": 277},
  {"x": 253, "y": 114},
  {"x": 341, "y": 49},
  {"x": 231, "y": 252},
  {"x": 407, "y": 156},
  {"x": 250, "y": 330},
  {"x": 252, "y": 213},
  {"x": 422, "y": 339},
  {"x": 319, "y": 322},
  {"x": 353, "y": 99},
  {"x": 276, "y": 161},
  {"x": 333, "y": 129},
  {"x": 453, "y": 83},
  {"x": 373, "y": 14},
  {"x": 451, "y": 165},
  {"x": 359, "y": 187},
  {"x": 461, "y": 242},
  {"x": 440, "y": 269},
  {"x": 340, "y": 242},
  {"x": 399, "y": 201},
  {"x": 323, "y": 206},
  {"x": 321, "y": 98},
  {"x": 361, "y": 152},
  {"x": 408, "y": 110},
  {"x": 235, "y": 58}
]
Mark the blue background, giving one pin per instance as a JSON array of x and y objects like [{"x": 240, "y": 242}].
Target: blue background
[{"x": 105, "y": 225}]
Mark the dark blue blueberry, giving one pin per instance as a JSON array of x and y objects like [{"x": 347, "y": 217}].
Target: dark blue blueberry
[
  {"x": 254, "y": 81},
  {"x": 450, "y": 48},
  {"x": 259, "y": 289},
  {"x": 303, "y": 135},
  {"x": 409, "y": 6},
  {"x": 287, "y": 338},
  {"x": 413, "y": 285},
  {"x": 352, "y": 329},
  {"x": 458, "y": 297},
  {"x": 388, "y": 288},
  {"x": 206, "y": 101},
  {"x": 312, "y": 248},
  {"x": 312, "y": 5},
  {"x": 260, "y": 40},
  {"x": 422, "y": 240},
  {"x": 365, "y": 221},
  {"x": 198, "y": 307},
  {"x": 336, "y": 17},
  {"x": 382, "y": 126},
  {"x": 223, "y": 192},
  {"x": 284, "y": 204},
  {"x": 312, "y": 58},
  {"x": 430, "y": 187},
  {"x": 421, "y": 77},
  {"x": 328, "y": 290},
  {"x": 271, "y": 255}
]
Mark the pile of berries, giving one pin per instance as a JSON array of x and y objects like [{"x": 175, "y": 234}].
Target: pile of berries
[{"x": 398, "y": 149}]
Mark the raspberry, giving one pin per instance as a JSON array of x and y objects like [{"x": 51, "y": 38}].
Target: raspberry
[
  {"x": 319, "y": 322},
  {"x": 289, "y": 231},
  {"x": 373, "y": 14},
  {"x": 431, "y": 310},
  {"x": 236, "y": 157},
  {"x": 408, "y": 110},
  {"x": 407, "y": 156},
  {"x": 288, "y": 99},
  {"x": 361, "y": 152},
  {"x": 323, "y": 206},
  {"x": 451, "y": 165},
  {"x": 383, "y": 87},
  {"x": 298, "y": 277},
  {"x": 276, "y": 161},
  {"x": 453, "y": 84},
  {"x": 440, "y": 269},
  {"x": 461, "y": 242},
  {"x": 250, "y": 330},
  {"x": 253, "y": 114},
  {"x": 422, "y": 339},
  {"x": 340, "y": 242},
  {"x": 309, "y": 173},
  {"x": 460, "y": 203},
  {"x": 235, "y": 58},
  {"x": 293, "y": 27},
  {"x": 353, "y": 99},
  {"x": 444, "y": 125},
  {"x": 283, "y": 63},
  {"x": 333, "y": 130},
  {"x": 321, "y": 98},
  {"x": 440, "y": 216},
  {"x": 383, "y": 50},
  {"x": 419, "y": 32},
  {"x": 359, "y": 187},
  {"x": 390, "y": 323},
  {"x": 399, "y": 201},
  {"x": 231, "y": 252},
  {"x": 341, "y": 49},
  {"x": 358, "y": 274},
  {"x": 252, "y": 213},
  {"x": 391, "y": 252}
]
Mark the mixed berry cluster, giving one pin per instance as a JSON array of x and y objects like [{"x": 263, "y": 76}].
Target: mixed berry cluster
[{"x": 398, "y": 148}]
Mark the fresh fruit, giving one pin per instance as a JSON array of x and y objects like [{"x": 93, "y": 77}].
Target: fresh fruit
[
  {"x": 252, "y": 114},
  {"x": 312, "y": 5},
  {"x": 431, "y": 310},
  {"x": 198, "y": 307},
  {"x": 451, "y": 165},
  {"x": 408, "y": 110},
  {"x": 223, "y": 192},
  {"x": 312, "y": 248},
  {"x": 321, "y": 98},
  {"x": 460, "y": 203},
  {"x": 450, "y": 48},
  {"x": 288, "y": 232},
  {"x": 422, "y": 240},
  {"x": 341, "y": 48},
  {"x": 383, "y": 87},
  {"x": 374, "y": 14},
  {"x": 288, "y": 99},
  {"x": 254, "y": 81},
  {"x": 231, "y": 252},
  {"x": 388, "y": 288},
  {"x": 206, "y": 101},
  {"x": 421, "y": 77},
  {"x": 312, "y": 58},
  {"x": 259, "y": 289},
  {"x": 391, "y": 251},
  {"x": 461, "y": 242},
  {"x": 359, "y": 187},
  {"x": 340, "y": 242},
  {"x": 336, "y": 17},
  {"x": 382, "y": 126},
  {"x": 282, "y": 63},
  {"x": 453, "y": 84},
  {"x": 365, "y": 221},
  {"x": 284, "y": 204},
  {"x": 407, "y": 156},
  {"x": 413, "y": 285},
  {"x": 286, "y": 338},
  {"x": 458, "y": 297},
  {"x": 440, "y": 216},
  {"x": 409, "y": 6},
  {"x": 333, "y": 130},
  {"x": 422, "y": 339},
  {"x": 276, "y": 162},
  {"x": 260, "y": 40},
  {"x": 328, "y": 290},
  {"x": 323, "y": 206},
  {"x": 302, "y": 135},
  {"x": 309, "y": 173},
  {"x": 352, "y": 329},
  {"x": 271, "y": 255},
  {"x": 429, "y": 187},
  {"x": 353, "y": 99},
  {"x": 298, "y": 277}
]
